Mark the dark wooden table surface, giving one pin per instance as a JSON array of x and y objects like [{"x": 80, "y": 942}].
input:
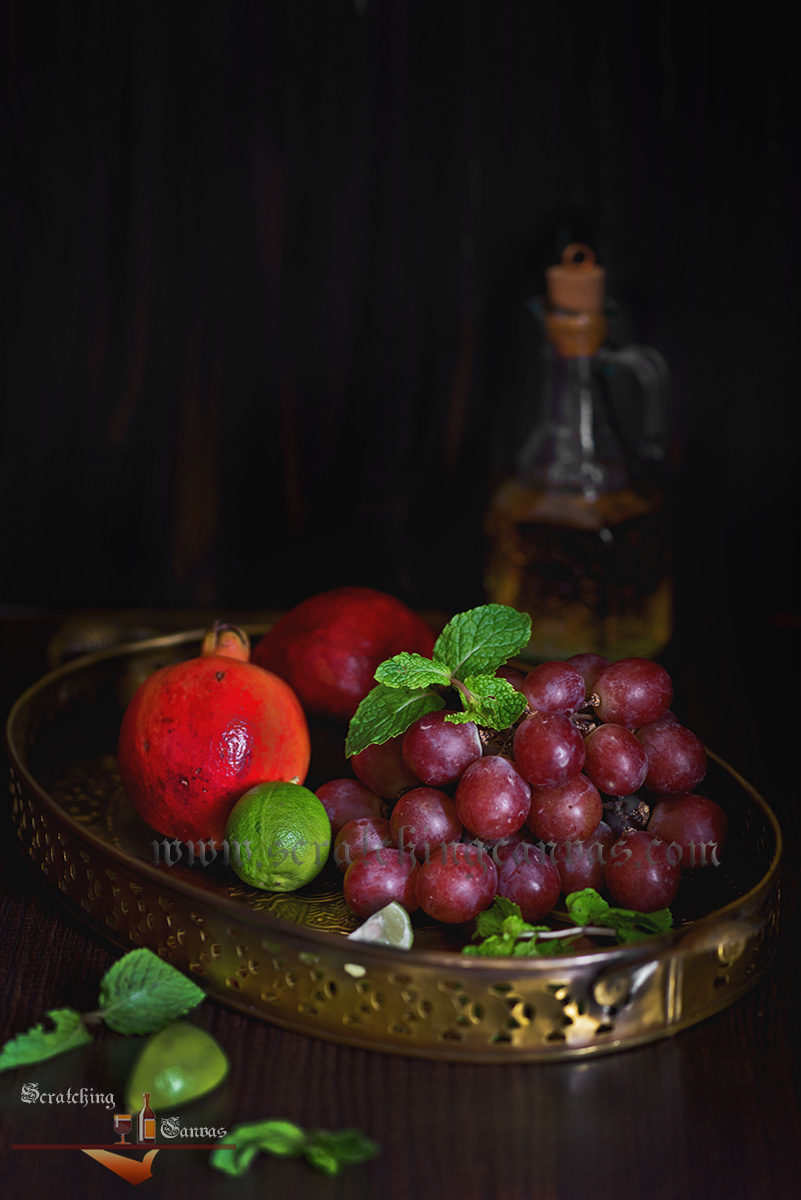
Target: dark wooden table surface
[{"x": 713, "y": 1111}]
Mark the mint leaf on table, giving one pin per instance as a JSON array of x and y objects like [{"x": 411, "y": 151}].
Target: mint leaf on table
[
  {"x": 412, "y": 671},
  {"x": 385, "y": 712},
  {"x": 330, "y": 1152},
  {"x": 480, "y": 640},
  {"x": 141, "y": 993},
  {"x": 280, "y": 1138},
  {"x": 588, "y": 908},
  {"x": 38, "y": 1044},
  {"x": 491, "y": 702},
  {"x": 326, "y": 1151}
]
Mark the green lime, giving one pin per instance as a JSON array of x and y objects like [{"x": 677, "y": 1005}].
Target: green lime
[
  {"x": 390, "y": 926},
  {"x": 283, "y": 835},
  {"x": 176, "y": 1065}
]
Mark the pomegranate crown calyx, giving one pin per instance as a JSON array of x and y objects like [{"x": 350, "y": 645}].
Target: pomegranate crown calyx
[{"x": 228, "y": 641}]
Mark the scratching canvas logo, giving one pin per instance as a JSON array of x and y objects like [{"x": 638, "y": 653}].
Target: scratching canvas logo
[{"x": 134, "y": 1133}]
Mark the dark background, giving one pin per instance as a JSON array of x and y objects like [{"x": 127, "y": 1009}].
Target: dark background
[
  {"x": 264, "y": 284},
  {"x": 265, "y": 279}
]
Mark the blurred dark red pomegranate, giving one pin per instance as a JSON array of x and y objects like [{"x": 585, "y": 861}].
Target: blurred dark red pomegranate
[{"x": 328, "y": 647}]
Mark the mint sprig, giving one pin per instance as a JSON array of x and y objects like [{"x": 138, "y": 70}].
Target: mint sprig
[
  {"x": 588, "y": 908},
  {"x": 139, "y": 994},
  {"x": 501, "y": 931},
  {"x": 466, "y": 655},
  {"x": 324, "y": 1150}
]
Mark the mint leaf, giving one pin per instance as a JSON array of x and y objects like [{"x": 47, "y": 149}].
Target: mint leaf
[
  {"x": 482, "y": 639},
  {"x": 349, "y": 1145},
  {"x": 38, "y": 1044},
  {"x": 330, "y": 1152},
  {"x": 234, "y": 1160},
  {"x": 491, "y": 919},
  {"x": 498, "y": 945},
  {"x": 412, "y": 671},
  {"x": 541, "y": 947},
  {"x": 492, "y": 702},
  {"x": 386, "y": 712},
  {"x": 141, "y": 993},
  {"x": 634, "y": 926},
  {"x": 280, "y": 1138},
  {"x": 587, "y": 907}
]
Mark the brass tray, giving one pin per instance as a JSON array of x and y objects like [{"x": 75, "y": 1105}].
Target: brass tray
[{"x": 284, "y": 958}]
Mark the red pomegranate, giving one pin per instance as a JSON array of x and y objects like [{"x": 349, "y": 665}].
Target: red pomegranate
[
  {"x": 328, "y": 647},
  {"x": 198, "y": 734}
]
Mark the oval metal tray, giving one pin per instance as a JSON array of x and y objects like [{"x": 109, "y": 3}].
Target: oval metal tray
[{"x": 284, "y": 958}]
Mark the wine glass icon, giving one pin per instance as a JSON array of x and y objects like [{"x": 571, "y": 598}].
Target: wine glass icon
[{"x": 122, "y": 1125}]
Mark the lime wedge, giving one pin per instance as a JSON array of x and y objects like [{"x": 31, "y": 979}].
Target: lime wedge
[{"x": 390, "y": 926}]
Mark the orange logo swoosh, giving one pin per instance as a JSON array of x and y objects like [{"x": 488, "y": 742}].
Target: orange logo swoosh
[{"x": 134, "y": 1170}]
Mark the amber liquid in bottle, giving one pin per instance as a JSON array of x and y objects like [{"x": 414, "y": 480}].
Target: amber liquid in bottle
[
  {"x": 572, "y": 539},
  {"x": 591, "y": 571}
]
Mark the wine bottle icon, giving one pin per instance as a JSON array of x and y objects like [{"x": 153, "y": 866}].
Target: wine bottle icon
[{"x": 146, "y": 1121}]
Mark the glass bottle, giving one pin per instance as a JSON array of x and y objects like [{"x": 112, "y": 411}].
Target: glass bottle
[{"x": 578, "y": 538}]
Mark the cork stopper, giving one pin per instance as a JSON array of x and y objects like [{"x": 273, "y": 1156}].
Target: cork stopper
[
  {"x": 576, "y": 289},
  {"x": 577, "y": 283}
]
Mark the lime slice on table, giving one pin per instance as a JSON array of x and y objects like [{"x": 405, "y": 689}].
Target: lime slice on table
[{"x": 390, "y": 926}]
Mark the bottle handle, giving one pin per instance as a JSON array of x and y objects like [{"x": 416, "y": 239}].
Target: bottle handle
[{"x": 652, "y": 374}]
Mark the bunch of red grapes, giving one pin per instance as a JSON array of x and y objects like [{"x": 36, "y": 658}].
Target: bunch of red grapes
[{"x": 550, "y": 808}]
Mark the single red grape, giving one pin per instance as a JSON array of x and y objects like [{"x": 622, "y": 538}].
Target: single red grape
[
  {"x": 532, "y": 882},
  {"x": 424, "y": 817},
  {"x": 676, "y": 757},
  {"x": 548, "y": 749},
  {"x": 633, "y": 692},
  {"x": 346, "y": 800},
  {"x": 616, "y": 762},
  {"x": 514, "y": 677},
  {"x": 492, "y": 798},
  {"x": 438, "y": 751},
  {"x": 456, "y": 882},
  {"x": 507, "y": 847},
  {"x": 381, "y": 769},
  {"x": 581, "y": 863},
  {"x": 379, "y": 878},
  {"x": 554, "y": 687},
  {"x": 589, "y": 666},
  {"x": 359, "y": 837},
  {"x": 642, "y": 872},
  {"x": 698, "y": 825},
  {"x": 566, "y": 813}
]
